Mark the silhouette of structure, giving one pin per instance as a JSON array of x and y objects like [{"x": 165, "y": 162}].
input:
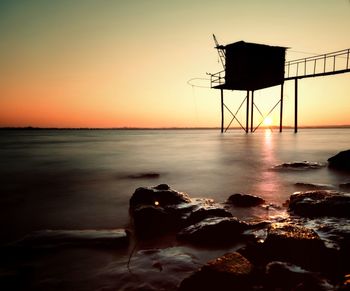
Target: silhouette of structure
[{"x": 250, "y": 67}]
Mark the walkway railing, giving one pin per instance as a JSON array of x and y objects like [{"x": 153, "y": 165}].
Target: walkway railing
[{"x": 321, "y": 65}]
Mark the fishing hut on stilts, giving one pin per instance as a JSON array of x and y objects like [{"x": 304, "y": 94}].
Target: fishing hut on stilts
[{"x": 251, "y": 66}]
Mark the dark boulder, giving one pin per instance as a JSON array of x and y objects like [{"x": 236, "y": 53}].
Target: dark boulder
[
  {"x": 295, "y": 244},
  {"x": 229, "y": 272},
  {"x": 214, "y": 231},
  {"x": 161, "y": 195},
  {"x": 340, "y": 161},
  {"x": 320, "y": 203},
  {"x": 158, "y": 209},
  {"x": 245, "y": 200}
]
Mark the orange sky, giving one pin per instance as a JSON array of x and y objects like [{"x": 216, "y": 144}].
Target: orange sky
[{"x": 111, "y": 63}]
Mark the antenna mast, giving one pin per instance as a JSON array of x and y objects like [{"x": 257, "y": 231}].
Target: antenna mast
[{"x": 221, "y": 51}]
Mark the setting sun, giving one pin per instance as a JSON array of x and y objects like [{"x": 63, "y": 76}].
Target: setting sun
[{"x": 267, "y": 121}]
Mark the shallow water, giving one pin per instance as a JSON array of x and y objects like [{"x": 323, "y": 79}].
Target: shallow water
[{"x": 83, "y": 179}]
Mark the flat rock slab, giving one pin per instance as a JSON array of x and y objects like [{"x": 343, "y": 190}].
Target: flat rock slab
[
  {"x": 304, "y": 165},
  {"x": 229, "y": 272},
  {"x": 74, "y": 238},
  {"x": 320, "y": 203},
  {"x": 314, "y": 186}
]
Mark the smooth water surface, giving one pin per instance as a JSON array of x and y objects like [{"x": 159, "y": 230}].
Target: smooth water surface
[{"x": 83, "y": 179}]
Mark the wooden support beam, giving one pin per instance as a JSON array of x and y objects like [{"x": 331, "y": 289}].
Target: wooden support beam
[
  {"x": 281, "y": 109},
  {"x": 296, "y": 107},
  {"x": 252, "y": 114},
  {"x": 222, "y": 110},
  {"x": 247, "y": 119}
]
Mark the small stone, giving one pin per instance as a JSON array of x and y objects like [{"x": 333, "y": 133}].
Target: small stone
[{"x": 245, "y": 200}]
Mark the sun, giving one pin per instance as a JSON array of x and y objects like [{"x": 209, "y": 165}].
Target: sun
[{"x": 267, "y": 121}]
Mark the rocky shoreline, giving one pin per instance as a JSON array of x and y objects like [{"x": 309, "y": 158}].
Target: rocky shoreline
[{"x": 289, "y": 249}]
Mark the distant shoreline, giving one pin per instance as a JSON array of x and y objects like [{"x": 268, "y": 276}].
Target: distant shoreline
[{"x": 166, "y": 128}]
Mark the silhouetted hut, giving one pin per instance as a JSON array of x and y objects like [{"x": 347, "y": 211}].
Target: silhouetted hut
[{"x": 251, "y": 66}]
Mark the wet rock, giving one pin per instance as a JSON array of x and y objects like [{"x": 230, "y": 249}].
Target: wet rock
[
  {"x": 304, "y": 165},
  {"x": 214, "y": 231},
  {"x": 74, "y": 238},
  {"x": 206, "y": 212},
  {"x": 229, "y": 272},
  {"x": 340, "y": 161},
  {"x": 245, "y": 200},
  {"x": 295, "y": 244},
  {"x": 314, "y": 186},
  {"x": 161, "y": 195},
  {"x": 320, "y": 203},
  {"x": 285, "y": 276}
]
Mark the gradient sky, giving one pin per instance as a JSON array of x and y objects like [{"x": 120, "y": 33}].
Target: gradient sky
[{"x": 111, "y": 63}]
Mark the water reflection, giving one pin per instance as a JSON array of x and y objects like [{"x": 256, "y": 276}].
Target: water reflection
[{"x": 268, "y": 184}]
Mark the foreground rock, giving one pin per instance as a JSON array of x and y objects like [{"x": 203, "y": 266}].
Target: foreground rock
[
  {"x": 340, "y": 161},
  {"x": 214, "y": 231},
  {"x": 320, "y": 203},
  {"x": 294, "y": 244},
  {"x": 245, "y": 200},
  {"x": 229, "y": 272},
  {"x": 304, "y": 165}
]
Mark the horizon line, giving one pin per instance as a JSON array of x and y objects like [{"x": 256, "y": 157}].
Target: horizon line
[{"x": 165, "y": 128}]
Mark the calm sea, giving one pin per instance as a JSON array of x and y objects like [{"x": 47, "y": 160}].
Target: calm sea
[{"x": 83, "y": 179}]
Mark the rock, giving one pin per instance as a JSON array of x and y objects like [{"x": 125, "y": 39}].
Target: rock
[
  {"x": 151, "y": 220},
  {"x": 340, "y": 161},
  {"x": 295, "y": 244},
  {"x": 229, "y": 272},
  {"x": 285, "y": 276},
  {"x": 320, "y": 203},
  {"x": 161, "y": 195},
  {"x": 305, "y": 165},
  {"x": 150, "y": 175},
  {"x": 206, "y": 212},
  {"x": 214, "y": 231},
  {"x": 314, "y": 186},
  {"x": 245, "y": 200}
]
